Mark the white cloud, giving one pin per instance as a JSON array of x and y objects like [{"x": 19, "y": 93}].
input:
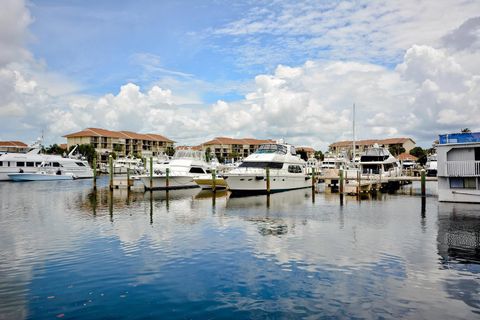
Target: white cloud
[
  {"x": 431, "y": 90},
  {"x": 286, "y": 31},
  {"x": 14, "y": 21}
]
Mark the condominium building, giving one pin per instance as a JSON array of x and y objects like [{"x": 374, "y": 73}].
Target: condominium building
[
  {"x": 123, "y": 143},
  {"x": 361, "y": 145},
  {"x": 230, "y": 148},
  {"x": 13, "y": 146}
]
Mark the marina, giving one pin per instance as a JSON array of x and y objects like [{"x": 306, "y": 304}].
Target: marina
[
  {"x": 128, "y": 254},
  {"x": 239, "y": 160}
]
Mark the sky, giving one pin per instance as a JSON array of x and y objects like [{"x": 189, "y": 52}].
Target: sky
[{"x": 194, "y": 70}]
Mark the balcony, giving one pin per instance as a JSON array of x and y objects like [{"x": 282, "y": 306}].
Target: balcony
[{"x": 463, "y": 168}]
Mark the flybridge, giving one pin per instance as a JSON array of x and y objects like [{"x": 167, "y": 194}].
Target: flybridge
[
  {"x": 467, "y": 137},
  {"x": 276, "y": 148}
]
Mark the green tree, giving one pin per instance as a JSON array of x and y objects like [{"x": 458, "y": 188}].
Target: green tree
[
  {"x": 54, "y": 149},
  {"x": 86, "y": 150},
  {"x": 395, "y": 150},
  {"x": 303, "y": 154},
  {"x": 208, "y": 153},
  {"x": 170, "y": 151},
  {"x": 420, "y": 153},
  {"x": 235, "y": 155},
  {"x": 319, "y": 155},
  {"x": 117, "y": 147}
]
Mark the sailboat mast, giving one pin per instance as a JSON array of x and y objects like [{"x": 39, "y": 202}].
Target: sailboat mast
[{"x": 353, "y": 123}]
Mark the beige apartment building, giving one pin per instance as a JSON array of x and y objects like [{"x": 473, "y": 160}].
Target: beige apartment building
[
  {"x": 361, "y": 145},
  {"x": 123, "y": 143},
  {"x": 228, "y": 148},
  {"x": 13, "y": 146}
]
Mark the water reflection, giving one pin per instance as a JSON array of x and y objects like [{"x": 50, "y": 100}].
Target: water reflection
[
  {"x": 459, "y": 248},
  {"x": 459, "y": 233},
  {"x": 197, "y": 254}
]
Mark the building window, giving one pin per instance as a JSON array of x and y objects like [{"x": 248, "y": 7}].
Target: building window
[
  {"x": 30, "y": 164},
  {"x": 20, "y": 164},
  {"x": 463, "y": 183}
]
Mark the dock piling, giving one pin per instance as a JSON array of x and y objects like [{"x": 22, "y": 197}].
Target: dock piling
[
  {"x": 358, "y": 183},
  {"x": 151, "y": 173},
  {"x": 110, "y": 164},
  {"x": 313, "y": 179},
  {"x": 214, "y": 182},
  {"x": 340, "y": 181},
  {"x": 128, "y": 177},
  {"x": 95, "y": 172},
  {"x": 167, "y": 180},
  {"x": 268, "y": 179},
  {"x": 423, "y": 181}
]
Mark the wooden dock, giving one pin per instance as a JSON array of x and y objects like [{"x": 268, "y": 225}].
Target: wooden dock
[{"x": 369, "y": 184}]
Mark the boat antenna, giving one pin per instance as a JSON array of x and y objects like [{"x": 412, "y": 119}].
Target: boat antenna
[{"x": 353, "y": 131}]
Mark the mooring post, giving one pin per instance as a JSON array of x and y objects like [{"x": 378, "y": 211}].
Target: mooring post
[
  {"x": 128, "y": 177},
  {"x": 359, "y": 180},
  {"x": 313, "y": 179},
  {"x": 110, "y": 165},
  {"x": 151, "y": 173},
  {"x": 422, "y": 181},
  {"x": 214, "y": 182},
  {"x": 167, "y": 180},
  {"x": 340, "y": 187},
  {"x": 95, "y": 172},
  {"x": 268, "y": 179}
]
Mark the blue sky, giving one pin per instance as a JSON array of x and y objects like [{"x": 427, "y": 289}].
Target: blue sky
[
  {"x": 193, "y": 70},
  {"x": 102, "y": 44}
]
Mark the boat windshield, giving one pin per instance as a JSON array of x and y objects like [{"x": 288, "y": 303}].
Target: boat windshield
[
  {"x": 261, "y": 164},
  {"x": 272, "y": 148},
  {"x": 189, "y": 154}
]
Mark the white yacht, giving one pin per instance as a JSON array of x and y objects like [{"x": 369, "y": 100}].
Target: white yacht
[
  {"x": 33, "y": 161},
  {"x": 431, "y": 165},
  {"x": 184, "y": 166},
  {"x": 287, "y": 171},
  {"x": 379, "y": 162},
  {"x": 121, "y": 165},
  {"x": 334, "y": 161}
]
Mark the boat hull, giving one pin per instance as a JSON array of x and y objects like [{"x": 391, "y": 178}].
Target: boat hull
[
  {"x": 206, "y": 183},
  {"x": 174, "y": 182},
  {"x": 19, "y": 177},
  {"x": 257, "y": 184}
]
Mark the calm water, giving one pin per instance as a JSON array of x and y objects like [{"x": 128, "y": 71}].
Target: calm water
[{"x": 68, "y": 253}]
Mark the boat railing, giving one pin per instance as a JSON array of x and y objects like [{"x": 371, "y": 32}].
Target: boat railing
[{"x": 463, "y": 169}]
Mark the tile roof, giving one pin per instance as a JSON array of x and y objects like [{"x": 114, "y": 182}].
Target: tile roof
[
  {"x": 98, "y": 132},
  {"x": 348, "y": 143},
  {"x": 227, "y": 141},
  {"x": 18, "y": 144},
  {"x": 406, "y": 156}
]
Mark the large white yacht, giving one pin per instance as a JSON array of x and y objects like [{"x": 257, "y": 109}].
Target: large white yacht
[
  {"x": 287, "y": 171},
  {"x": 334, "y": 161},
  {"x": 378, "y": 161},
  {"x": 33, "y": 161},
  {"x": 431, "y": 165},
  {"x": 184, "y": 166},
  {"x": 134, "y": 165}
]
